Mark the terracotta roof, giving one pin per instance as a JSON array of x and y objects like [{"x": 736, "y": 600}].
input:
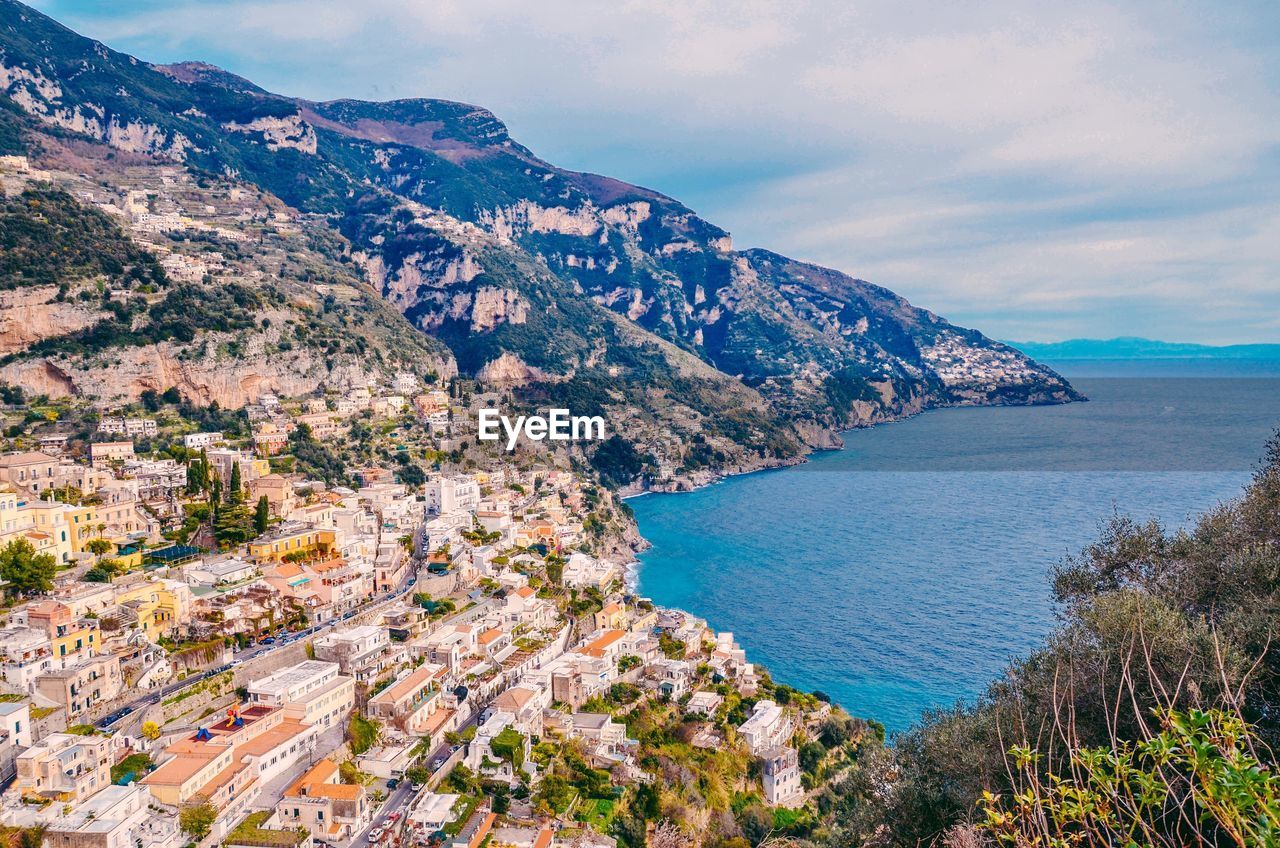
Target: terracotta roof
[
  {"x": 544, "y": 838},
  {"x": 222, "y": 778},
  {"x": 270, "y": 739},
  {"x": 322, "y": 772},
  {"x": 339, "y": 791},
  {"x": 525, "y": 592},
  {"x": 436, "y": 720},
  {"x": 403, "y": 688},
  {"x": 600, "y": 645},
  {"x": 515, "y": 697},
  {"x": 490, "y": 635}
]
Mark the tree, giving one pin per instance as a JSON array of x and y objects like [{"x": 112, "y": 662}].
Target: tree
[
  {"x": 235, "y": 489},
  {"x": 262, "y": 515},
  {"x": 198, "y": 474},
  {"x": 98, "y": 547},
  {"x": 150, "y": 730},
  {"x": 25, "y": 570},
  {"x": 197, "y": 817}
]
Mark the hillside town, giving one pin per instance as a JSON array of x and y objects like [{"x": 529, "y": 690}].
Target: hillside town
[{"x": 332, "y": 620}]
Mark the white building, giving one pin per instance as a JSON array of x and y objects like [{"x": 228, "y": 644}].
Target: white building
[
  {"x": 196, "y": 441},
  {"x": 781, "y": 777},
  {"x": 452, "y": 493},
  {"x": 768, "y": 726}
]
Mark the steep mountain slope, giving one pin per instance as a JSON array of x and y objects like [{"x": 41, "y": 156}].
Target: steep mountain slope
[
  {"x": 555, "y": 284},
  {"x": 213, "y": 288}
]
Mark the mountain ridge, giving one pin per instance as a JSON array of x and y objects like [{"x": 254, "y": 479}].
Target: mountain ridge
[{"x": 547, "y": 282}]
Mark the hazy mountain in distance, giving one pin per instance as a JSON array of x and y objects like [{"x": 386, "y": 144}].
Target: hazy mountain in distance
[{"x": 1134, "y": 347}]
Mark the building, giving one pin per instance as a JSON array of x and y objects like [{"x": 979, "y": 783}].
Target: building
[
  {"x": 359, "y": 651},
  {"x": 291, "y": 539},
  {"x": 116, "y": 817},
  {"x": 451, "y": 493},
  {"x": 127, "y": 426},
  {"x": 15, "y": 722},
  {"x": 768, "y": 726},
  {"x": 200, "y": 441},
  {"x": 780, "y": 772},
  {"x": 65, "y": 767},
  {"x": 312, "y": 692},
  {"x": 332, "y": 812},
  {"x": 413, "y": 702},
  {"x": 80, "y": 688},
  {"x": 29, "y": 471},
  {"x": 105, "y": 453}
]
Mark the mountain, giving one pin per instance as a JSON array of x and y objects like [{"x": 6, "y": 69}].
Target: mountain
[
  {"x": 554, "y": 285},
  {"x": 1133, "y": 347}
]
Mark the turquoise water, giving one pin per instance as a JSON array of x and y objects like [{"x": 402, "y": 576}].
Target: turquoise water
[{"x": 904, "y": 571}]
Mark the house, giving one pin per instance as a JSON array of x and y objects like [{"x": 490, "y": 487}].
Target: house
[
  {"x": 292, "y": 539},
  {"x": 583, "y": 571},
  {"x": 768, "y": 726},
  {"x": 605, "y": 644},
  {"x": 15, "y": 722},
  {"x": 670, "y": 678},
  {"x": 525, "y": 704},
  {"x": 25, "y": 654},
  {"x": 332, "y": 812},
  {"x": 65, "y": 767},
  {"x": 612, "y": 617},
  {"x": 451, "y": 493},
  {"x": 80, "y": 688},
  {"x": 200, "y": 441},
  {"x": 704, "y": 703},
  {"x": 412, "y": 702},
  {"x": 29, "y": 471},
  {"x": 360, "y": 652},
  {"x": 105, "y": 453},
  {"x": 780, "y": 773},
  {"x": 523, "y": 606},
  {"x": 71, "y": 636}
]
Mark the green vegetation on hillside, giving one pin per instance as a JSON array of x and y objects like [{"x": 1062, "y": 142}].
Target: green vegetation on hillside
[{"x": 48, "y": 237}]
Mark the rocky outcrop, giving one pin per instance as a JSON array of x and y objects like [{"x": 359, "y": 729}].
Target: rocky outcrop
[
  {"x": 288, "y": 132},
  {"x": 507, "y": 371},
  {"x": 32, "y": 314}
]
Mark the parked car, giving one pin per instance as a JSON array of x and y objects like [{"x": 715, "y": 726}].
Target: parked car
[
  {"x": 375, "y": 834},
  {"x": 393, "y": 783},
  {"x": 437, "y": 763},
  {"x": 394, "y": 817},
  {"x": 270, "y": 640}
]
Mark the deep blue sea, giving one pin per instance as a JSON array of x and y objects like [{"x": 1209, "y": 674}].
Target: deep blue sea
[{"x": 905, "y": 570}]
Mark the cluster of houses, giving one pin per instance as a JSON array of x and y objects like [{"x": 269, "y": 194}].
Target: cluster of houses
[
  {"x": 331, "y": 418},
  {"x": 345, "y": 569}
]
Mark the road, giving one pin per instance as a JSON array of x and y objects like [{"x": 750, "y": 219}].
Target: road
[{"x": 397, "y": 800}]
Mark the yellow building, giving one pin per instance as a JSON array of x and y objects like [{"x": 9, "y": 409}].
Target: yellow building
[
  {"x": 69, "y": 634},
  {"x": 291, "y": 539},
  {"x": 83, "y": 521},
  {"x": 161, "y": 605}
]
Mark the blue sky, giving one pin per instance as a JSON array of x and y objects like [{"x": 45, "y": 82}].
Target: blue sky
[{"x": 1040, "y": 173}]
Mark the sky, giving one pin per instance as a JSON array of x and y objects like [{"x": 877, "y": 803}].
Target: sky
[{"x": 1039, "y": 171}]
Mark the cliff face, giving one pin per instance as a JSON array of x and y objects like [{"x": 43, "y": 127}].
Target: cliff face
[{"x": 560, "y": 286}]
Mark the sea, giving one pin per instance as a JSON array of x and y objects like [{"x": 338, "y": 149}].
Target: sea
[{"x": 906, "y": 570}]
